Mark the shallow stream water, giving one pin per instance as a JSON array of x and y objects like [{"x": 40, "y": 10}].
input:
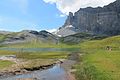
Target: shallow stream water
[{"x": 54, "y": 73}]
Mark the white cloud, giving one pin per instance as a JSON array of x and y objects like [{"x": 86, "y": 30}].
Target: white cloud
[
  {"x": 62, "y": 15},
  {"x": 66, "y": 6},
  {"x": 51, "y": 30},
  {"x": 51, "y": 1}
]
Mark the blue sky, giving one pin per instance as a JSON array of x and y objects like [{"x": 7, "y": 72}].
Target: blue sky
[{"x": 17, "y": 15}]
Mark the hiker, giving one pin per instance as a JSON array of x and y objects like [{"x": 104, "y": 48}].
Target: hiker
[{"x": 109, "y": 48}]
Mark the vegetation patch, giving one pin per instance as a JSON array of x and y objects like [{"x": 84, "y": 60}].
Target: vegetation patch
[
  {"x": 5, "y": 64},
  {"x": 6, "y": 52},
  {"x": 42, "y": 55}
]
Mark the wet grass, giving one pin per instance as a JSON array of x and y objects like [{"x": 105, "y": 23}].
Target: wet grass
[{"x": 32, "y": 59}]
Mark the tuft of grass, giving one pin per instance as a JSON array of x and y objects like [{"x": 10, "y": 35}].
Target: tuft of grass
[{"x": 5, "y": 64}]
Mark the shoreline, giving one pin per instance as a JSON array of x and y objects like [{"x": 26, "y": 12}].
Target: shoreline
[
  {"x": 7, "y": 73},
  {"x": 64, "y": 65}
]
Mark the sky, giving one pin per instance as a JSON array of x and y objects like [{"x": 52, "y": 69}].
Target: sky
[{"x": 17, "y": 15}]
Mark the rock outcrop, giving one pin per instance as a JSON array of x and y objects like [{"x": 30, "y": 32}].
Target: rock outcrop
[{"x": 100, "y": 20}]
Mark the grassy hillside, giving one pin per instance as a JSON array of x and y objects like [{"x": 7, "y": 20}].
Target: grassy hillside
[
  {"x": 80, "y": 37},
  {"x": 2, "y": 37},
  {"x": 97, "y": 62}
]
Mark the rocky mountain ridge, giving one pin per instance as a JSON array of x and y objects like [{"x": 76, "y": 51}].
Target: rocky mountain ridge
[
  {"x": 26, "y": 36},
  {"x": 100, "y": 20}
]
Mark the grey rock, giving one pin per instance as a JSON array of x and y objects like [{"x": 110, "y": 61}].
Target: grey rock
[
  {"x": 5, "y": 32},
  {"x": 100, "y": 20}
]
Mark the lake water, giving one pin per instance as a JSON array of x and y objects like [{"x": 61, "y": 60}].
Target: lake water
[
  {"x": 40, "y": 49},
  {"x": 54, "y": 73}
]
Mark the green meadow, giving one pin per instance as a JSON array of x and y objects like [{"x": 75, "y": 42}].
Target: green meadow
[
  {"x": 98, "y": 63},
  {"x": 32, "y": 58},
  {"x": 42, "y": 55}
]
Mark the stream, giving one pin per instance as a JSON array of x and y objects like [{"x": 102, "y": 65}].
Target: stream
[{"x": 54, "y": 73}]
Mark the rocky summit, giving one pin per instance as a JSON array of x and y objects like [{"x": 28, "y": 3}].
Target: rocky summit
[{"x": 100, "y": 20}]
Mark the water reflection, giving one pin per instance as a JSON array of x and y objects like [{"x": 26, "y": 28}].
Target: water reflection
[{"x": 40, "y": 49}]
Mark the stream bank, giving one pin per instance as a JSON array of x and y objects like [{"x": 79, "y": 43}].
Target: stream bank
[{"x": 57, "y": 72}]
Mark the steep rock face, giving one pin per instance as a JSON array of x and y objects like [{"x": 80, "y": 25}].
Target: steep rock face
[{"x": 100, "y": 20}]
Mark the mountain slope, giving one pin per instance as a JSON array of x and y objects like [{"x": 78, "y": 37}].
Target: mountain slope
[
  {"x": 80, "y": 37},
  {"x": 27, "y": 36}
]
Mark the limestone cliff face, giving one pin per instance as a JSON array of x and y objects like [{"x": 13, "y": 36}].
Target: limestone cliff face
[{"x": 100, "y": 20}]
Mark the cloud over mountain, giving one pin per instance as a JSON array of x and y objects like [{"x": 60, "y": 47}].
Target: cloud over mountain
[{"x": 66, "y": 6}]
